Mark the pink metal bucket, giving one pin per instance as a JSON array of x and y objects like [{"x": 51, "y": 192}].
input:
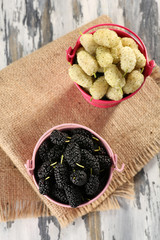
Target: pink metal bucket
[
  {"x": 147, "y": 70},
  {"x": 30, "y": 164}
]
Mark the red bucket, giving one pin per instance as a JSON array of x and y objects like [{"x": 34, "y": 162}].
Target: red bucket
[{"x": 121, "y": 33}]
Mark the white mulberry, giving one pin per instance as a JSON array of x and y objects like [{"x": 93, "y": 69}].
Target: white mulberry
[
  {"x": 114, "y": 77},
  {"x": 114, "y": 93},
  {"x": 80, "y": 77},
  {"x": 140, "y": 59},
  {"x": 87, "y": 62},
  {"x": 129, "y": 42},
  {"x": 105, "y": 37},
  {"x": 88, "y": 43},
  {"x": 116, "y": 52},
  {"x": 99, "y": 88},
  {"x": 134, "y": 81},
  {"x": 103, "y": 56},
  {"x": 127, "y": 59}
]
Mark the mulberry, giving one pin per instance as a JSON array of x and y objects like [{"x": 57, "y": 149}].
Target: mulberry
[
  {"x": 88, "y": 43},
  {"x": 78, "y": 178},
  {"x": 100, "y": 150},
  {"x": 92, "y": 185},
  {"x": 83, "y": 141},
  {"x": 114, "y": 77},
  {"x": 129, "y": 42},
  {"x": 43, "y": 149},
  {"x": 127, "y": 59},
  {"x": 72, "y": 154},
  {"x": 55, "y": 153},
  {"x": 104, "y": 161},
  {"x": 134, "y": 81},
  {"x": 82, "y": 131},
  {"x": 106, "y": 38},
  {"x": 90, "y": 161},
  {"x": 59, "y": 194},
  {"x": 61, "y": 175},
  {"x": 44, "y": 187},
  {"x": 58, "y": 137},
  {"x": 45, "y": 170},
  {"x": 99, "y": 88},
  {"x": 91, "y": 67},
  {"x": 103, "y": 56},
  {"x": 79, "y": 76},
  {"x": 114, "y": 93},
  {"x": 73, "y": 195}
]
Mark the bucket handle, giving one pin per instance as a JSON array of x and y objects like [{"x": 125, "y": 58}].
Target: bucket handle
[
  {"x": 115, "y": 159},
  {"x": 29, "y": 165}
]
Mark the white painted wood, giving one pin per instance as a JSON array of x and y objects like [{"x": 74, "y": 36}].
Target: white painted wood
[{"x": 27, "y": 25}]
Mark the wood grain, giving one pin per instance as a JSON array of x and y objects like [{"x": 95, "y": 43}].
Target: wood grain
[{"x": 26, "y": 26}]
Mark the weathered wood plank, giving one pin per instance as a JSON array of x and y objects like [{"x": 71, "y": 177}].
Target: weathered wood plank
[{"x": 27, "y": 25}]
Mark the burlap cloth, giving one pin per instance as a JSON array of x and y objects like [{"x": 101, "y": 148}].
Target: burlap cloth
[{"x": 36, "y": 94}]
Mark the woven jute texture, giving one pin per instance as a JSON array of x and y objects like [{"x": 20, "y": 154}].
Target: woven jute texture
[{"x": 36, "y": 94}]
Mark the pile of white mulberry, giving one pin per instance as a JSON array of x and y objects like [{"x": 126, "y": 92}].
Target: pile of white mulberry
[{"x": 107, "y": 66}]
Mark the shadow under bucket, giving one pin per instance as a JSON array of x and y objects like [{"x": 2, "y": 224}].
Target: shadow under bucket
[{"x": 71, "y": 53}]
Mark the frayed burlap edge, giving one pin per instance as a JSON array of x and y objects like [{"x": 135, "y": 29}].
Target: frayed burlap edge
[{"x": 24, "y": 209}]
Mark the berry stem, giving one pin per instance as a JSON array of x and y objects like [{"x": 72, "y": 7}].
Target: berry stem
[
  {"x": 125, "y": 73},
  {"x": 79, "y": 165},
  {"x": 81, "y": 33},
  {"x": 142, "y": 70},
  {"x": 91, "y": 99},
  {"x": 96, "y": 139},
  {"x": 53, "y": 164},
  {"x": 97, "y": 150},
  {"x": 47, "y": 178},
  {"x": 94, "y": 74},
  {"x": 62, "y": 159}
]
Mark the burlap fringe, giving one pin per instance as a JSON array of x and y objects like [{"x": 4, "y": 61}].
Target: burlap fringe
[
  {"x": 22, "y": 209},
  {"x": 110, "y": 203}
]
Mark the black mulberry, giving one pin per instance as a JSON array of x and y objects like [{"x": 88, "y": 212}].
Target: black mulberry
[
  {"x": 55, "y": 153},
  {"x": 83, "y": 141},
  {"x": 90, "y": 161},
  {"x": 61, "y": 175},
  {"x": 104, "y": 161},
  {"x": 99, "y": 150},
  {"x": 59, "y": 194},
  {"x": 45, "y": 170},
  {"x": 43, "y": 150},
  {"x": 44, "y": 187},
  {"x": 73, "y": 195},
  {"x": 72, "y": 154},
  {"x": 59, "y": 138},
  {"x": 82, "y": 131},
  {"x": 78, "y": 177},
  {"x": 92, "y": 185}
]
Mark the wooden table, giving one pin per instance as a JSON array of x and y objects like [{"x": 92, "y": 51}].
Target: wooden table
[{"x": 26, "y": 26}]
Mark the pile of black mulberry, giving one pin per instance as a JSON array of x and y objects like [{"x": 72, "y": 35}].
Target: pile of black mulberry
[{"x": 72, "y": 166}]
